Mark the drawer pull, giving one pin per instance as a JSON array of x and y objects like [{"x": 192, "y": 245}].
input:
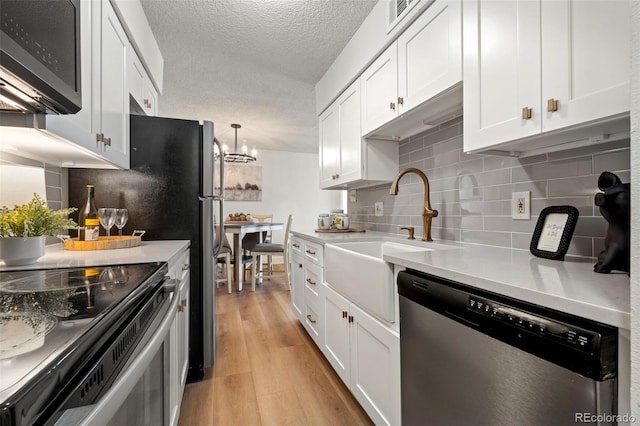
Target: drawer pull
[
  {"x": 296, "y": 245},
  {"x": 344, "y": 314},
  {"x": 392, "y": 106},
  {"x": 552, "y": 105},
  {"x": 310, "y": 281},
  {"x": 180, "y": 308},
  {"x": 526, "y": 113},
  {"x": 350, "y": 318},
  {"x": 311, "y": 320},
  {"x": 400, "y": 101},
  {"x": 186, "y": 266},
  {"x": 311, "y": 252},
  {"x": 184, "y": 303},
  {"x": 299, "y": 265}
]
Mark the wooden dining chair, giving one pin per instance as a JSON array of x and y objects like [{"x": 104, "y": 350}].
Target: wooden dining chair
[
  {"x": 223, "y": 260},
  {"x": 271, "y": 249}
]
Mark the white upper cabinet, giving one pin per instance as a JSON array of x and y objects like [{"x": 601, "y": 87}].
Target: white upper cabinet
[
  {"x": 532, "y": 67},
  {"x": 586, "y": 57},
  {"x": 110, "y": 71},
  {"x": 425, "y": 61},
  {"x": 429, "y": 55},
  {"x": 141, "y": 88},
  {"x": 346, "y": 159},
  {"x": 111, "y": 105},
  {"x": 379, "y": 85}
]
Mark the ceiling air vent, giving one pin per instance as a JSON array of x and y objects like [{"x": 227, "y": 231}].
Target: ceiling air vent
[{"x": 397, "y": 10}]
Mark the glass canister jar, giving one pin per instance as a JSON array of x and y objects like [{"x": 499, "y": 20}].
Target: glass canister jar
[
  {"x": 332, "y": 217},
  {"x": 342, "y": 221},
  {"x": 323, "y": 221}
]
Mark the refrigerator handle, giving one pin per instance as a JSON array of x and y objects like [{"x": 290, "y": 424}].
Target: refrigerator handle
[{"x": 220, "y": 198}]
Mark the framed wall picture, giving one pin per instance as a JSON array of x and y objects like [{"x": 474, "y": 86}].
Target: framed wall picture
[{"x": 553, "y": 232}]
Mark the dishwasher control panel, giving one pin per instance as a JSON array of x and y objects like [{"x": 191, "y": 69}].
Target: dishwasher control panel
[{"x": 581, "y": 339}]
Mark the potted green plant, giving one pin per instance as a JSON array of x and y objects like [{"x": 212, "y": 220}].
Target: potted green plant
[{"x": 23, "y": 230}]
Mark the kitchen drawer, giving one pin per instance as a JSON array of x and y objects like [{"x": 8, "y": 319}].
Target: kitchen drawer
[
  {"x": 297, "y": 245},
  {"x": 312, "y": 279},
  {"x": 312, "y": 322},
  {"x": 313, "y": 252},
  {"x": 176, "y": 266}
]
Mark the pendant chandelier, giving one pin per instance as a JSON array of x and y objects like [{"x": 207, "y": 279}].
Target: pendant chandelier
[{"x": 236, "y": 156}]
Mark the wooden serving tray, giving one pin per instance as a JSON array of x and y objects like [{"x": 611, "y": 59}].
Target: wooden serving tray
[
  {"x": 338, "y": 231},
  {"x": 114, "y": 242}
]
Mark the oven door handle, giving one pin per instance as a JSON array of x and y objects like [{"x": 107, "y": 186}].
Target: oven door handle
[{"x": 107, "y": 406}]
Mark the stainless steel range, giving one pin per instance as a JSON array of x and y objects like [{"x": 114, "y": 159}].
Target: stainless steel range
[{"x": 68, "y": 335}]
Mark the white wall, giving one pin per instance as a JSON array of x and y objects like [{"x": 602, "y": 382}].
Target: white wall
[
  {"x": 290, "y": 184},
  {"x": 635, "y": 209}
]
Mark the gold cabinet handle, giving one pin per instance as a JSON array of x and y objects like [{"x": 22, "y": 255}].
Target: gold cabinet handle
[
  {"x": 107, "y": 141},
  {"x": 552, "y": 105},
  {"x": 392, "y": 105},
  {"x": 180, "y": 308},
  {"x": 311, "y": 320},
  {"x": 311, "y": 252},
  {"x": 344, "y": 314},
  {"x": 99, "y": 137},
  {"x": 400, "y": 101},
  {"x": 310, "y": 281},
  {"x": 526, "y": 113},
  {"x": 337, "y": 176}
]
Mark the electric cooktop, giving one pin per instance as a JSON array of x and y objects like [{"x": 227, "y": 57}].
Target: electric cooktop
[{"x": 43, "y": 312}]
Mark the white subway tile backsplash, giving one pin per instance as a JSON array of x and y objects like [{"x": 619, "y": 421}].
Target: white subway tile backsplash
[{"x": 472, "y": 192}]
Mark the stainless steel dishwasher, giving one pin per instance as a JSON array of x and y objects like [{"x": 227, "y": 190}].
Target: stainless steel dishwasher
[{"x": 469, "y": 357}]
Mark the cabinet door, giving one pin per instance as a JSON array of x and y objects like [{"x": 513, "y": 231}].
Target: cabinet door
[
  {"x": 379, "y": 90},
  {"x": 183, "y": 359},
  {"x": 585, "y": 60},
  {"x": 430, "y": 54},
  {"x": 336, "y": 333},
  {"x": 151, "y": 98},
  {"x": 297, "y": 285},
  {"x": 350, "y": 140},
  {"x": 501, "y": 71},
  {"x": 375, "y": 368},
  {"x": 79, "y": 128},
  {"x": 113, "y": 106},
  {"x": 329, "y": 133}
]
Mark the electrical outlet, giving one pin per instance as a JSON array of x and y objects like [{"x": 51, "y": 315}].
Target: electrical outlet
[
  {"x": 521, "y": 205},
  {"x": 353, "y": 197},
  {"x": 377, "y": 208}
]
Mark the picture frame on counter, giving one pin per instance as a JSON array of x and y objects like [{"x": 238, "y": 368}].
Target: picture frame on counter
[{"x": 553, "y": 232}]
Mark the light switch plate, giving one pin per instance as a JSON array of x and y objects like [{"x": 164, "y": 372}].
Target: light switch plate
[
  {"x": 353, "y": 196},
  {"x": 521, "y": 205},
  {"x": 378, "y": 208}
]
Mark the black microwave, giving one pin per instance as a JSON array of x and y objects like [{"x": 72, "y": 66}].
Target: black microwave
[{"x": 40, "y": 56}]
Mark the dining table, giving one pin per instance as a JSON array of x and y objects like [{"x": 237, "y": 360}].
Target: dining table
[{"x": 239, "y": 230}]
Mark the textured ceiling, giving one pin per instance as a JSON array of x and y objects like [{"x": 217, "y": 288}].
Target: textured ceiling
[{"x": 252, "y": 62}]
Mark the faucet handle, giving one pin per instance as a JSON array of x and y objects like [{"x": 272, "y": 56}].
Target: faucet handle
[{"x": 411, "y": 229}]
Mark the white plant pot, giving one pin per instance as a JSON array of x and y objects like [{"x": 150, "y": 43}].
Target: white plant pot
[{"x": 17, "y": 251}]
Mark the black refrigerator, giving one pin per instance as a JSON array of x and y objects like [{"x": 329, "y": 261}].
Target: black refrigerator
[{"x": 169, "y": 192}]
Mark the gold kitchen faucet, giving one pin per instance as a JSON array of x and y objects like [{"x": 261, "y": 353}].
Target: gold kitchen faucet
[{"x": 427, "y": 212}]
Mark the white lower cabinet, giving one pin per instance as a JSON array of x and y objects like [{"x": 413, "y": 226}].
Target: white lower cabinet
[
  {"x": 366, "y": 355},
  {"x": 297, "y": 285},
  {"x": 179, "y": 337}
]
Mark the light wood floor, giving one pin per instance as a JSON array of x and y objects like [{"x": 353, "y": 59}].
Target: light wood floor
[{"x": 267, "y": 369}]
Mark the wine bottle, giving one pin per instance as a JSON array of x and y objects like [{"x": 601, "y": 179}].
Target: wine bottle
[{"x": 88, "y": 219}]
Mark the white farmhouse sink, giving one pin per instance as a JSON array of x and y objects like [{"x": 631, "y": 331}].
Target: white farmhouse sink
[{"x": 357, "y": 271}]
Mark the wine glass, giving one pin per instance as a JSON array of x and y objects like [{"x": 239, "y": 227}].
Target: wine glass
[
  {"x": 107, "y": 219},
  {"x": 121, "y": 219}
]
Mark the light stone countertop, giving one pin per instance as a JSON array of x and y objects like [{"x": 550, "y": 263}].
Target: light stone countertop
[
  {"x": 568, "y": 286},
  {"x": 148, "y": 251}
]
